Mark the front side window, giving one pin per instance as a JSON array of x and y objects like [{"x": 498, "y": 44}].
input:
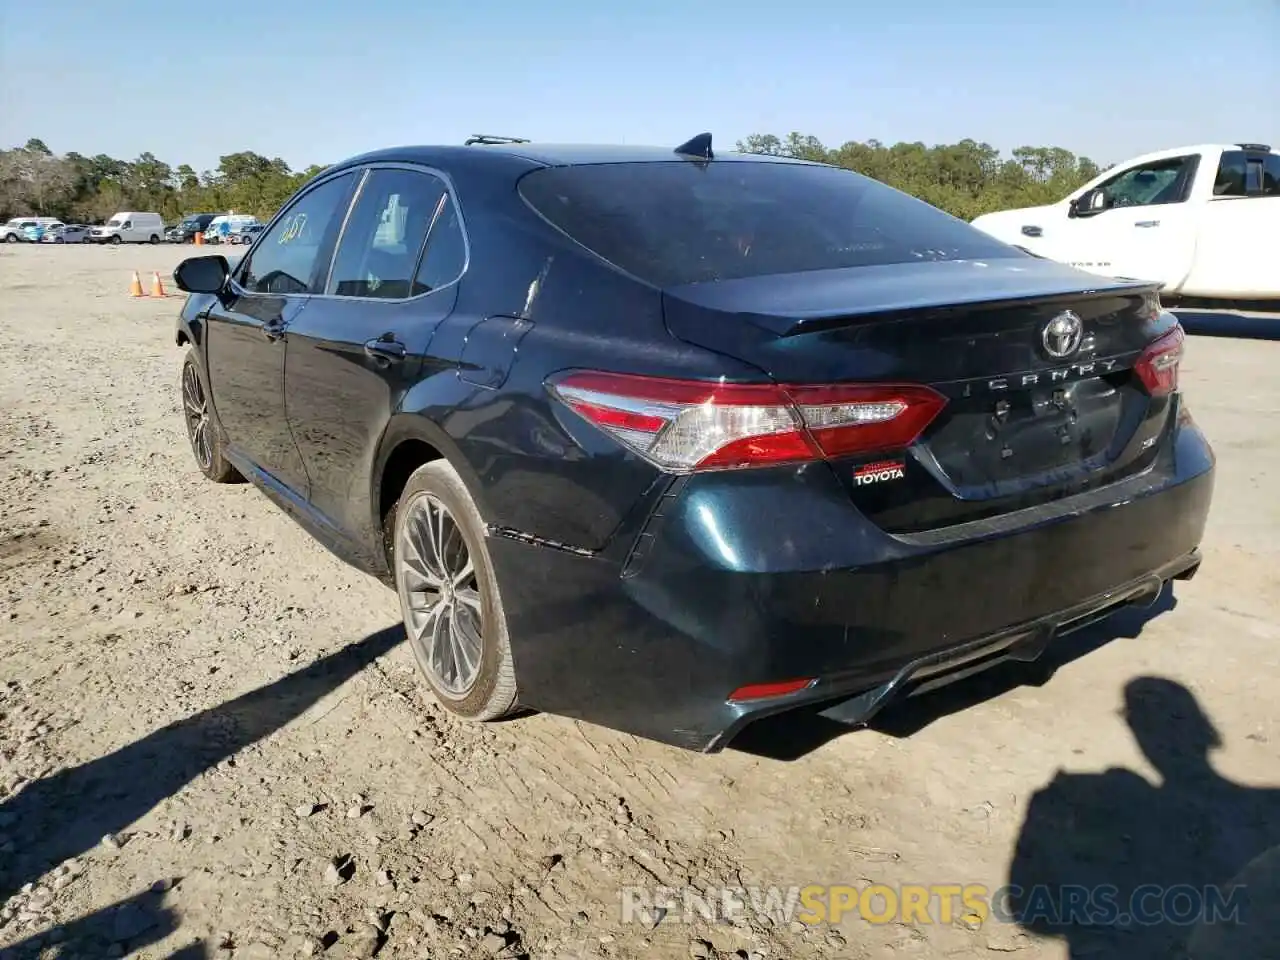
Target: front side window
[
  {"x": 113, "y": 222},
  {"x": 286, "y": 259},
  {"x": 383, "y": 237},
  {"x": 675, "y": 222},
  {"x": 1161, "y": 181}
]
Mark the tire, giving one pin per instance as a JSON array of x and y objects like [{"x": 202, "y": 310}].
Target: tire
[
  {"x": 435, "y": 499},
  {"x": 116, "y": 241},
  {"x": 203, "y": 430},
  {"x": 154, "y": 239},
  {"x": 11, "y": 238}
]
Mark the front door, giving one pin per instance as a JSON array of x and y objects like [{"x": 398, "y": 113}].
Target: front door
[
  {"x": 1145, "y": 232},
  {"x": 248, "y": 329},
  {"x": 354, "y": 352}
]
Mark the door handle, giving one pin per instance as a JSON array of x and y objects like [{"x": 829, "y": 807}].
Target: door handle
[
  {"x": 1147, "y": 223},
  {"x": 385, "y": 349},
  {"x": 273, "y": 330}
]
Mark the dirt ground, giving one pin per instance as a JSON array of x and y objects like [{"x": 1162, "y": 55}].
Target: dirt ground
[{"x": 213, "y": 742}]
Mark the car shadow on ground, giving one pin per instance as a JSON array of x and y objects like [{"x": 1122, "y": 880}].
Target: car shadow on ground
[
  {"x": 791, "y": 736},
  {"x": 1227, "y": 323},
  {"x": 68, "y": 813},
  {"x": 1120, "y": 867}
]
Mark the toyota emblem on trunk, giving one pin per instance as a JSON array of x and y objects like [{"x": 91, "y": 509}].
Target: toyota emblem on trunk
[{"x": 1061, "y": 335}]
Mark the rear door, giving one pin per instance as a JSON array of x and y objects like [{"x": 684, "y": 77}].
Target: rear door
[
  {"x": 1240, "y": 231},
  {"x": 248, "y": 330},
  {"x": 356, "y": 349}
]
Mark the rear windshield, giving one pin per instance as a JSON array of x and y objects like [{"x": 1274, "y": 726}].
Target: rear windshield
[{"x": 682, "y": 222}]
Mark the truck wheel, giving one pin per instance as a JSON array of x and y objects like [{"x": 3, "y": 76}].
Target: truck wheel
[
  {"x": 11, "y": 238},
  {"x": 116, "y": 240},
  {"x": 154, "y": 239},
  {"x": 449, "y": 595}
]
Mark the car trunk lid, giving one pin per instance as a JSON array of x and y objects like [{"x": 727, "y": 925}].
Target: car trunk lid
[{"x": 1035, "y": 359}]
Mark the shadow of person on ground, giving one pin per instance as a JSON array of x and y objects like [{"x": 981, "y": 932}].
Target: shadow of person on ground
[
  {"x": 790, "y": 736},
  {"x": 134, "y": 923},
  {"x": 68, "y": 813},
  {"x": 1120, "y": 867},
  {"x": 1226, "y": 323}
]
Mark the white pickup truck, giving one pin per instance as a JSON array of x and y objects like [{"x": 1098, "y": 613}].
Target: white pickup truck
[{"x": 1204, "y": 221}]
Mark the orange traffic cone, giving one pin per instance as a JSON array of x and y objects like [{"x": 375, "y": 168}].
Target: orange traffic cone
[
  {"x": 157, "y": 288},
  {"x": 199, "y": 238},
  {"x": 135, "y": 288}
]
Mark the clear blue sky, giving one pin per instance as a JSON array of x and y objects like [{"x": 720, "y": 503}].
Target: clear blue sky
[{"x": 317, "y": 81}]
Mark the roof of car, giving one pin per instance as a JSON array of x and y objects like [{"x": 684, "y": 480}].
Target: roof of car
[{"x": 547, "y": 154}]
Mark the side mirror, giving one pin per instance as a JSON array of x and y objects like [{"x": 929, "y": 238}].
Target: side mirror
[
  {"x": 1090, "y": 203},
  {"x": 202, "y": 274}
]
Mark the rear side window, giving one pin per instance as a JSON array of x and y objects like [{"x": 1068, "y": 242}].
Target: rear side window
[
  {"x": 678, "y": 222},
  {"x": 446, "y": 255},
  {"x": 1271, "y": 175},
  {"x": 1242, "y": 174},
  {"x": 1232, "y": 171},
  {"x": 380, "y": 245}
]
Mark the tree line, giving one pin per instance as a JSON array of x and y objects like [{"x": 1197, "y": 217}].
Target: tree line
[
  {"x": 36, "y": 181},
  {"x": 965, "y": 179}
]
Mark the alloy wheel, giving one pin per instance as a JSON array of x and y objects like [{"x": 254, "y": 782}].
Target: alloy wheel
[
  {"x": 442, "y": 599},
  {"x": 196, "y": 409}
]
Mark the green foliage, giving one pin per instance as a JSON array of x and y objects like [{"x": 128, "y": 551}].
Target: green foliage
[
  {"x": 74, "y": 187},
  {"x": 966, "y": 179}
]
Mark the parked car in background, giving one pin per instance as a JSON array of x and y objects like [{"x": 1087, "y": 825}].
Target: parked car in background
[
  {"x": 245, "y": 233},
  {"x": 130, "y": 228},
  {"x": 15, "y": 231},
  {"x": 185, "y": 230},
  {"x": 671, "y": 441},
  {"x": 1202, "y": 221},
  {"x": 37, "y": 231},
  {"x": 67, "y": 233},
  {"x": 213, "y": 232}
]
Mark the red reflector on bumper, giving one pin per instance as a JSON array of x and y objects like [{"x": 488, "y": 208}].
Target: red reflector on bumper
[{"x": 763, "y": 691}]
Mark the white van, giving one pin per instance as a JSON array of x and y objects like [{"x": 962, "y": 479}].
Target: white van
[{"x": 130, "y": 228}]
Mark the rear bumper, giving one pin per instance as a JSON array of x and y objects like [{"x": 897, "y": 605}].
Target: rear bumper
[{"x": 750, "y": 577}]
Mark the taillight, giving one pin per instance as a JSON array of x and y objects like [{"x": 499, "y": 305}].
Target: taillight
[
  {"x": 686, "y": 425},
  {"x": 1157, "y": 367}
]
